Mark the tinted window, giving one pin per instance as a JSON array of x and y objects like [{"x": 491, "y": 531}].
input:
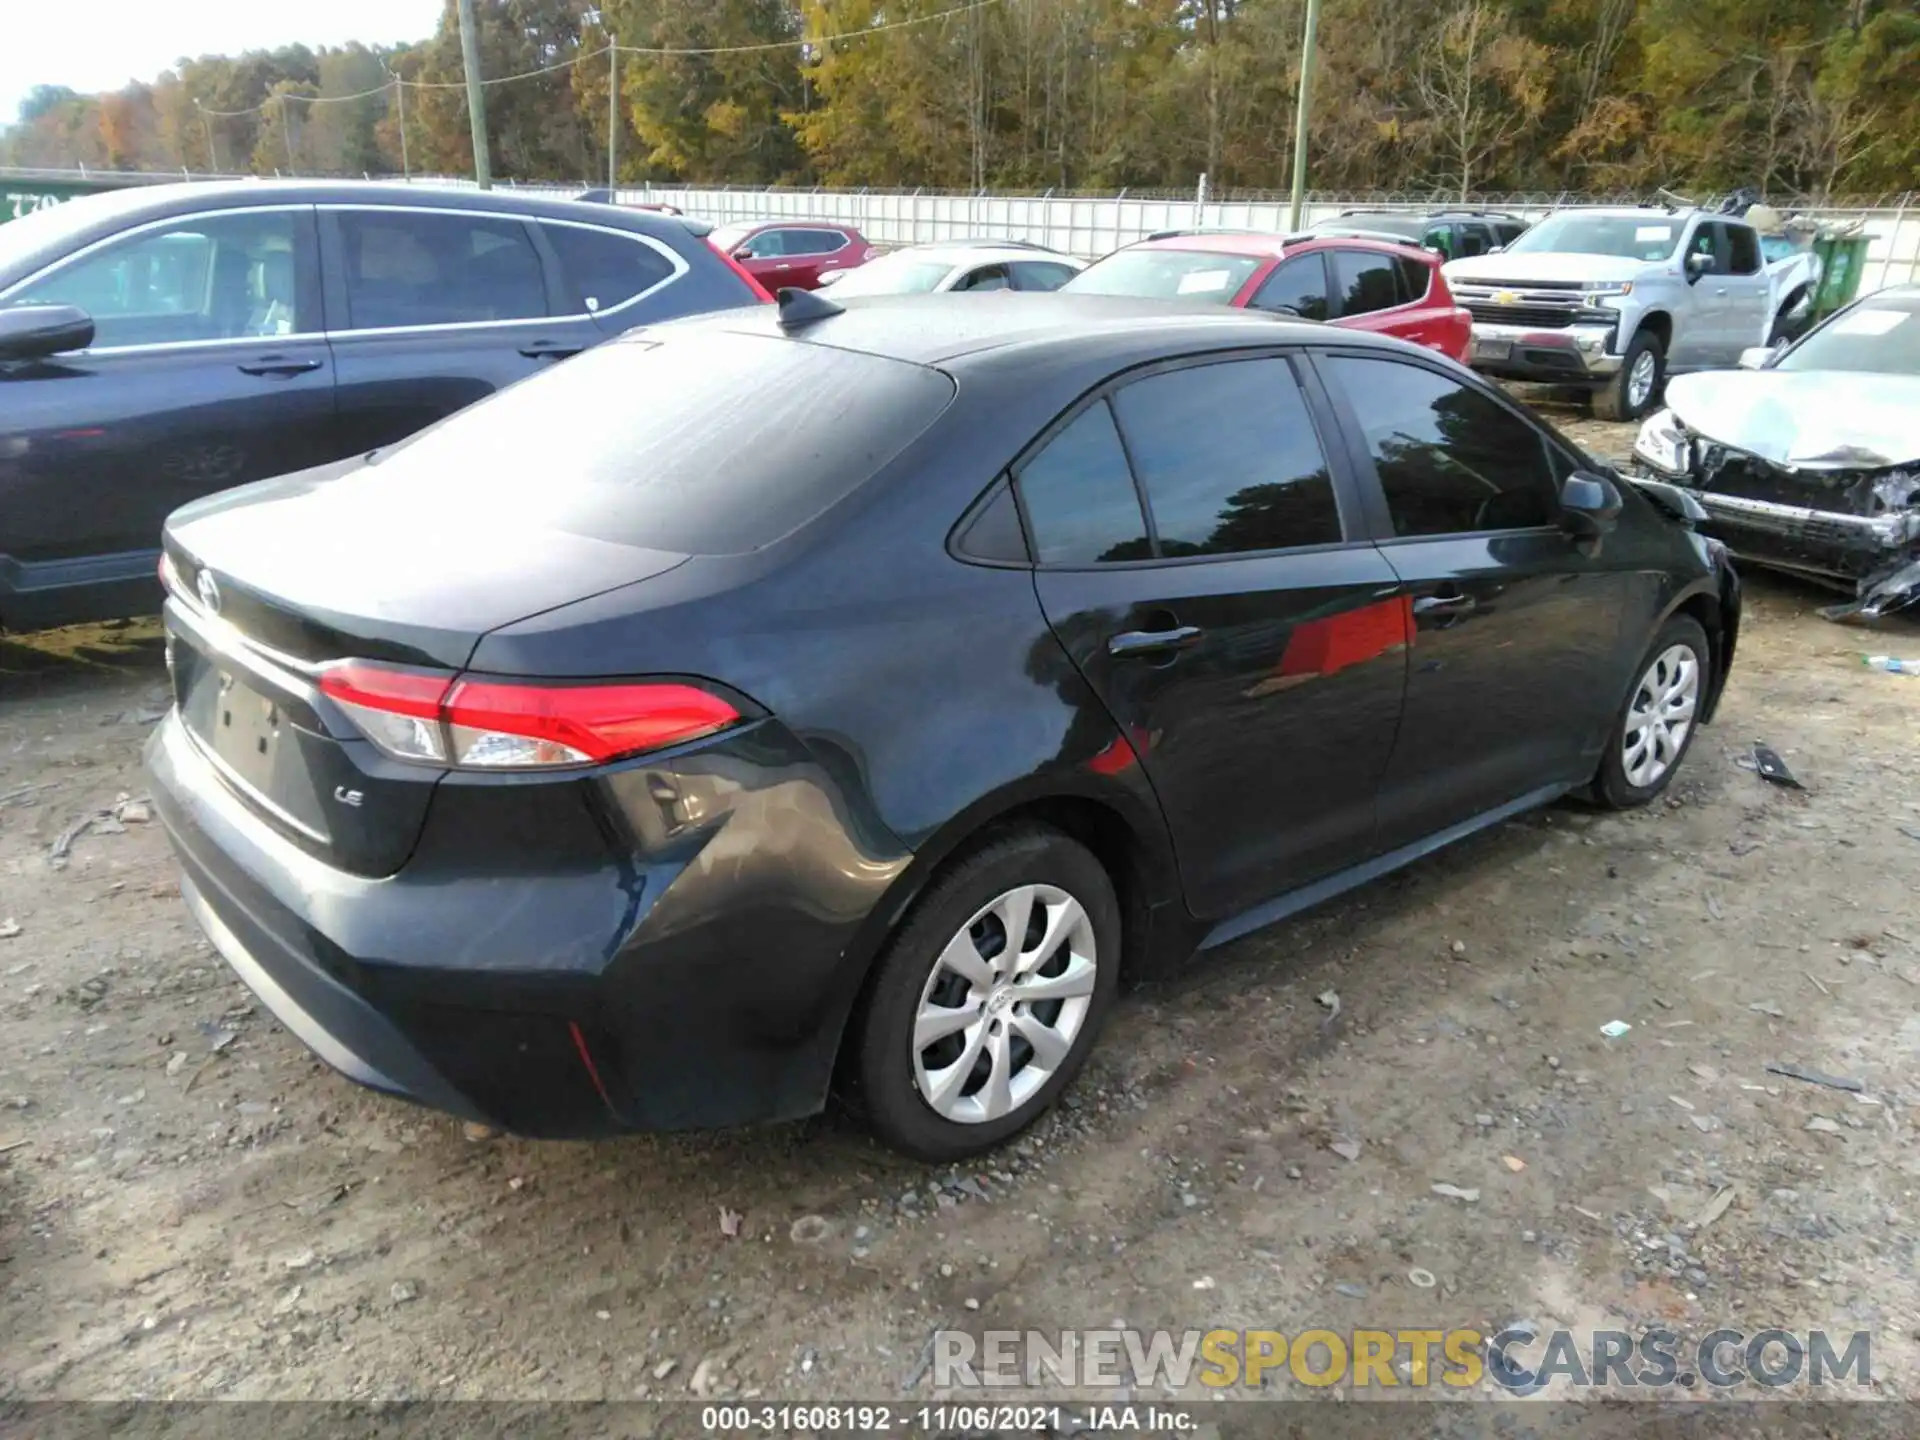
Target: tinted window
[
  {"x": 224, "y": 277},
  {"x": 994, "y": 531},
  {"x": 1743, "y": 250},
  {"x": 1439, "y": 237},
  {"x": 1041, "y": 274},
  {"x": 811, "y": 242},
  {"x": 1229, "y": 459},
  {"x": 1475, "y": 239},
  {"x": 1450, "y": 459},
  {"x": 987, "y": 277},
  {"x": 603, "y": 269},
  {"x": 1159, "y": 274},
  {"x": 1414, "y": 277},
  {"x": 1365, "y": 281},
  {"x": 1081, "y": 504},
  {"x": 1508, "y": 231},
  {"x": 1299, "y": 285},
  {"x": 703, "y": 443},
  {"x": 1706, "y": 241},
  {"x": 410, "y": 268}
]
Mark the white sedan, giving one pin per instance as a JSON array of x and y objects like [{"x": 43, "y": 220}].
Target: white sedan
[{"x": 957, "y": 265}]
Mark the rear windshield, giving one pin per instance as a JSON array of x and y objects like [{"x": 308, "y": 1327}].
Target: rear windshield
[
  {"x": 1157, "y": 274},
  {"x": 706, "y": 443}
]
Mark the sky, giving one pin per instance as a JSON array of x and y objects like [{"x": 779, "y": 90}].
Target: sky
[{"x": 110, "y": 42}]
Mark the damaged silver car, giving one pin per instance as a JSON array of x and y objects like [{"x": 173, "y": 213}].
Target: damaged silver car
[{"x": 1807, "y": 459}]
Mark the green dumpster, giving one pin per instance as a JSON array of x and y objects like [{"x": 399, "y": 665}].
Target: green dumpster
[
  {"x": 23, "y": 192},
  {"x": 1842, "y": 258}
]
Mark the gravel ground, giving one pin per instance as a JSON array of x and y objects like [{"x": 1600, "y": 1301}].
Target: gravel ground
[{"x": 192, "y": 1207}]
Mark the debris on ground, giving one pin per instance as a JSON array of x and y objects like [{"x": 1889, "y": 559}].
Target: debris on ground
[
  {"x": 1421, "y": 1279},
  {"x": 9, "y": 928},
  {"x": 1772, "y": 767},
  {"x": 1330, "y": 1001},
  {"x": 1716, "y": 1207},
  {"x": 809, "y": 1230},
  {"x": 730, "y": 1221},
  {"x": 1614, "y": 1029},
  {"x": 1513, "y": 1163},
  {"x": 1346, "y": 1149},
  {"x": 1817, "y": 1077},
  {"x": 1454, "y": 1192}
]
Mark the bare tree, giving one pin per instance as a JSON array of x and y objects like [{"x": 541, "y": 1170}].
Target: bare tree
[{"x": 1481, "y": 85}]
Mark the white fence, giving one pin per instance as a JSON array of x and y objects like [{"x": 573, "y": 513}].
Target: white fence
[{"x": 1092, "y": 225}]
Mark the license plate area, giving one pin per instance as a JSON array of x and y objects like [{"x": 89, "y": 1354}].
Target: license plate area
[
  {"x": 241, "y": 727},
  {"x": 1492, "y": 349}
]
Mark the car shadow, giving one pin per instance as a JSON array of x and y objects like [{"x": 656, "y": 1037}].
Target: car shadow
[{"x": 81, "y": 659}]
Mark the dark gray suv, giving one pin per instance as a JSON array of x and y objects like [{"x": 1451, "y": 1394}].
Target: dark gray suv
[{"x": 161, "y": 343}]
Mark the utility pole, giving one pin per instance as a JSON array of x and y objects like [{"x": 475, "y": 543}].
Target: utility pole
[
  {"x": 613, "y": 117},
  {"x": 213, "y": 154},
  {"x": 476, "y": 98},
  {"x": 286, "y": 126},
  {"x": 1303, "y": 115},
  {"x": 400, "y": 90}
]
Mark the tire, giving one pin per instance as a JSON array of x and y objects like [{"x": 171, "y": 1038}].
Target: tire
[
  {"x": 1622, "y": 397},
  {"x": 1624, "y": 779},
  {"x": 919, "y": 1100}
]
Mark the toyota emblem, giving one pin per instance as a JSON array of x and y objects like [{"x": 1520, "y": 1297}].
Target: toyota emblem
[{"x": 209, "y": 591}]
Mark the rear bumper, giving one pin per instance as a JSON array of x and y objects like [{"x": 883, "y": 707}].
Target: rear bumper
[
  {"x": 677, "y": 986},
  {"x": 1576, "y": 355}
]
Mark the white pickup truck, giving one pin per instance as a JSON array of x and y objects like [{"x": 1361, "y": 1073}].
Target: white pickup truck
[{"x": 1617, "y": 299}]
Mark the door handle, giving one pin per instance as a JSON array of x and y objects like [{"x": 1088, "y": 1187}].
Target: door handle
[
  {"x": 1153, "y": 642},
  {"x": 1721, "y": 291},
  {"x": 1443, "y": 605},
  {"x": 279, "y": 365},
  {"x": 549, "y": 350}
]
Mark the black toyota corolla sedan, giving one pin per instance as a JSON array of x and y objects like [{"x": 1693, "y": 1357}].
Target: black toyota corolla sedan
[{"x": 852, "y": 698}]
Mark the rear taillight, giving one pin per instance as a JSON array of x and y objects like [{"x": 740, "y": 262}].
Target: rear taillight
[
  {"x": 439, "y": 719},
  {"x": 745, "y": 274}
]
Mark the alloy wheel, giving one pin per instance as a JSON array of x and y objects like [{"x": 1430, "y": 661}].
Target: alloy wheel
[
  {"x": 1660, "y": 716},
  {"x": 1004, "y": 1003},
  {"x": 1640, "y": 379}
]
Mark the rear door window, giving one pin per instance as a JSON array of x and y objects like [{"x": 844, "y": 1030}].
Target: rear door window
[
  {"x": 1041, "y": 274},
  {"x": 1365, "y": 281},
  {"x": 1082, "y": 507},
  {"x": 1475, "y": 239},
  {"x": 406, "y": 268},
  {"x": 811, "y": 242},
  {"x": 1298, "y": 285},
  {"x": 1415, "y": 278},
  {"x": 603, "y": 269},
  {"x": 1229, "y": 459},
  {"x": 707, "y": 443},
  {"x": 1743, "y": 249}
]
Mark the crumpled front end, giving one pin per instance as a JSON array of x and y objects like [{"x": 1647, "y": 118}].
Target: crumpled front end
[{"x": 1856, "y": 527}]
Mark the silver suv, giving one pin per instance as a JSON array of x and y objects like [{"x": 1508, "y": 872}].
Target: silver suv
[{"x": 1617, "y": 299}]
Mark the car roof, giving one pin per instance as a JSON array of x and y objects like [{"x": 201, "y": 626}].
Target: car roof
[
  {"x": 939, "y": 328},
  {"x": 118, "y": 209},
  {"x": 1260, "y": 243},
  {"x": 964, "y": 252}
]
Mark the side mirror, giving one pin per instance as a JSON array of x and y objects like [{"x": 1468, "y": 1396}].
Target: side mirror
[
  {"x": 32, "y": 332},
  {"x": 1756, "y": 357},
  {"x": 1698, "y": 265},
  {"x": 1589, "y": 504},
  {"x": 743, "y": 253},
  {"x": 827, "y": 277}
]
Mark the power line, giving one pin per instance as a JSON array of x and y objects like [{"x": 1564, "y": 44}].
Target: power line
[{"x": 655, "y": 51}]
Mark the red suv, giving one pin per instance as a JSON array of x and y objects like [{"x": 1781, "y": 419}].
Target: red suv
[
  {"x": 796, "y": 253},
  {"x": 1362, "y": 284}
]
